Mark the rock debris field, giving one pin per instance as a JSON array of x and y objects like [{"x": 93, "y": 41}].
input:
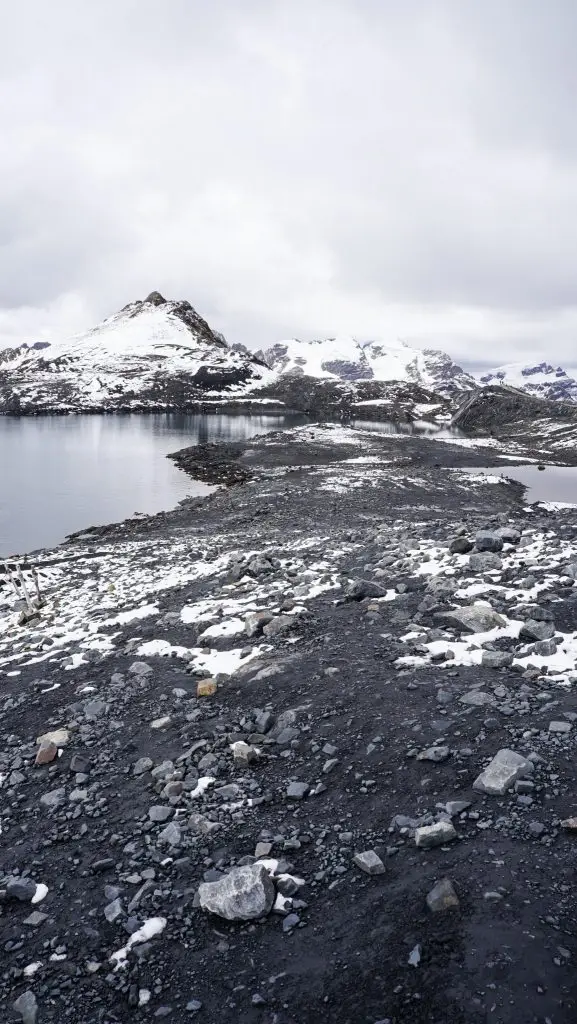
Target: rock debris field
[{"x": 303, "y": 751}]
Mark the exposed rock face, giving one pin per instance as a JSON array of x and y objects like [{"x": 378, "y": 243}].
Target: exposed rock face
[
  {"x": 492, "y": 409},
  {"x": 541, "y": 380},
  {"x": 153, "y": 354},
  {"x": 348, "y": 359}
]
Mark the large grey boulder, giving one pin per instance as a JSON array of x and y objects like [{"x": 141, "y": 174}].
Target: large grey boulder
[
  {"x": 534, "y": 630},
  {"x": 488, "y": 540},
  {"x": 357, "y": 590},
  {"x": 496, "y": 659},
  {"x": 506, "y": 767},
  {"x": 244, "y": 894},
  {"x": 483, "y": 561},
  {"x": 473, "y": 618},
  {"x": 428, "y": 836},
  {"x": 508, "y": 534}
]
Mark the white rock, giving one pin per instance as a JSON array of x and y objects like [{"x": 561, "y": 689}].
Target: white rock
[
  {"x": 247, "y": 892},
  {"x": 506, "y": 767},
  {"x": 435, "y": 835}
]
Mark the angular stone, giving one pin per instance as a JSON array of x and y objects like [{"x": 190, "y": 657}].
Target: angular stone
[
  {"x": 279, "y": 624},
  {"x": 496, "y": 659},
  {"x": 243, "y": 753},
  {"x": 536, "y": 630},
  {"x": 297, "y": 790},
  {"x": 473, "y": 618},
  {"x": 484, "y": 561},
  {"x": 569, "y": 824},
  {"x": 488, "y": 540},
  {"x": 144, "y": 764},
  {"x": 476, "y": 698},
  {"x": 263, "y": 722},
  {"x": 434, "y": 754},
  {"x": 54, "y": 798},
  {"x": 369, "y": 862},
  {"x": 244, "y": 894},
  {"x": 206, "y": 688},
  {"x": 22, "y": 889},
  {"x": 113, "y": 910},
  {"x": 545, "y": 648},
  {"x": 255, "y": 622},
  {"x": 460, "y": 546},
  {"x": 560, "y": 727},
  {"x": 159, "y": 813},
  {"x": 171, "y": 834},
  {"x": 508, "y": 534},
  {"x": 161, "y": 723},
  {"x": 35, "y": 919},
  {"x": 27, "y": 1007},
  {"x": 140, "y": 668},
  {"x": 58, "y": 736},
  {"x": 442, "y": 897},
  {"x": 438, "y": 834},
  {"x": 357, "y": 590},
  {"x": 506, "y": 767},
  {"x": 95, "y": 709},
  {"x": 46, "y": 753}
]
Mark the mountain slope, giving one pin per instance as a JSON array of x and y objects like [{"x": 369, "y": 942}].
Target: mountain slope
[
  {"x": 152, "y": 354},
  {"x": 541, "y": 380},
  {"x": 347, "y": 359}
]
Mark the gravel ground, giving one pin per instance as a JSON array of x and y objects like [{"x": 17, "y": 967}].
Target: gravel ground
[{"x": 247, "y": 751}]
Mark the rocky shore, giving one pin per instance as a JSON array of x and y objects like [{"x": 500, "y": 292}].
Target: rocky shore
[{"x": 302, "y": 751}]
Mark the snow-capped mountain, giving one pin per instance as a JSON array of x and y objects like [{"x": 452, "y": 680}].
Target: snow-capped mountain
[
  {"x": 541, "y": 380},
  {"x": 152, "y": 354},
  {"x": 345, "y": 358}
]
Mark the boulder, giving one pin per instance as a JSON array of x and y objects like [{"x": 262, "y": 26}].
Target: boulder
[
  {"x": 496, "y": 659},
  {"x": 473, "y": 618},
  {"x": 508, "y": 534},
  {"x": 255, "y": 622},
  {"x": 357, "y": 590},
  {"x": 536, "y": 630},
  {"x": 435, "y": 835},
  {"x": 460, "y": 546},
  {"x": 500, "y": 775},
  {"x": 484, "y": 561},
  {"x": 369, "y": 862},
  {"x": 488, "y": 540},
  {"x": 244, "y": 894},
  {"x": 442, "y": 897}
]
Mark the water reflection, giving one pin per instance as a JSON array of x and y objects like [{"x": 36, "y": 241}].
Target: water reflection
[
  {"x": 418, "y": 428},
  {"x": 556, "y": 484},
  {"x": 59, "y": 474}
]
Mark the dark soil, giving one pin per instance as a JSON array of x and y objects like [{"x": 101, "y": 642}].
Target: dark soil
[{"x": 507, "y": 958}]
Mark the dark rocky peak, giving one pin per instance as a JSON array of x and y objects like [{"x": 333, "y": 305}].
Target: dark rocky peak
[{"x": 156, "y": 299}]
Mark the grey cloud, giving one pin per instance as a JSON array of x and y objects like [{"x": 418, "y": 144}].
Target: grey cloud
[{"x": 359, "y": 166}]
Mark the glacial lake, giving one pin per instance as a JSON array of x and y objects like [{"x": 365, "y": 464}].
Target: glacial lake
[
  {"x": 60, "y": 474},
  {"x": 556, "y": 485}
]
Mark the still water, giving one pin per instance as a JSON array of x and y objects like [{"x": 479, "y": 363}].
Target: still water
[
  {"x": 555, "y": 484},
  {"x": 60, "y": 474}
]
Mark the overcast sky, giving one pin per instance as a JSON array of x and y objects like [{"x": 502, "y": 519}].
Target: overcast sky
[{"x": 383, "y": 168}]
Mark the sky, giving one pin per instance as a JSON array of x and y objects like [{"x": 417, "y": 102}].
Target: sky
[{"x": 382, "y": 168}]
